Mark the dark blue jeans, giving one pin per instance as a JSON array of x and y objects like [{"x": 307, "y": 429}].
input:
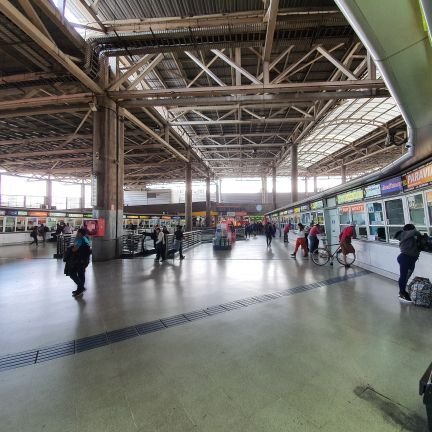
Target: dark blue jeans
[{"x": 407, "y": 266}]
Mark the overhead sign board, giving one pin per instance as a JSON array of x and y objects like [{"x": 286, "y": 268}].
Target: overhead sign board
[
  {"x": 354, "y": 195},
  {"x": 418, "y": 178},
  {"x": 391, "y": 186},
  {"x": 305, "y": 207},
  {"x": 317, "y": 205},
  {"x": 372, "y": 190}
]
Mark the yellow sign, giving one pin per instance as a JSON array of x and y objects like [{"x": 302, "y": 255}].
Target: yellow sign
[
  {"x": 296, "y": 209},
  {"x": 354, "y": 195}
]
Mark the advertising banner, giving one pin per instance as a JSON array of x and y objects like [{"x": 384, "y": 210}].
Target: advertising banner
[
  {"x": 391, "y": 186},
  {"x": 372, "y": 190},
  {"x": 354, "y": 195},
  {"x": 418, "y": 178},
  {"x": 317, "y": 205}
]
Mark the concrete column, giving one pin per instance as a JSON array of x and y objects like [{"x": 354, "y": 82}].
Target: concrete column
[
  {"x": 108, "y": 169},
  {"x": 294, "y": 173},
  {"x": 264, "y": 189},
  {"x": 274, "y": 187},
  {"x": 217, "y": 192},
  {"x": 82, "y": 196},
  {"x": 48, "y": 198},
  {"x": 208, "y": 204},
  {"x": 188, "y": 197},
  {"x": 315, "y": 184},
  {"x": 343, "y": 173},
  {"x": 220, "y": 190},
  {"x": 0, "y": 189}
]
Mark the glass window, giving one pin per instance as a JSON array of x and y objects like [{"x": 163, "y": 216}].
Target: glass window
[
  {"x": 344, "y": 216},
  {"x": 306, "y": 218},
  {"x": 1, "y": 224},
  {"x": 376, "y": 214},
  {"x": 379, "y": 232},
  {"x": 359, "y": 217},
  {"x": 416, "y": 209},
  {"x": 429, "y": 205},
  {"x": 31, "y": 222},
  {"x": 394, "y": 211},
  {"x": 320, "y": 218},
  {"x": 9, "y": 224},
  {"x": 393, "y": 230},
  {"x": 20, "y": 224}
]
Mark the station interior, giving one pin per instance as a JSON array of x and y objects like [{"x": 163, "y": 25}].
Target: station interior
[{"x": 230, "y": 119}]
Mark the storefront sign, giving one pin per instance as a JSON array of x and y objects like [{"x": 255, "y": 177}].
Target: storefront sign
[
  {"x": 231, "y": 214},
  {"x": 354, "y": 195},
  {"x": 12, "y": 212},
  {"x": 290, "y": 211},
  {"x": 418, "y": 178},
  {"x": 241, "y": 213},
  {"x": 88, "y": 215},
  {"x": 176, "y": 217},
  {"x": 75, "y": 215},
  {"x": 57, "y": 214},
  {"x": 2, "y": 212},
  {"x": 304, "y": 207},
  {"x": 22, "y": 213},
  {"x": 36, "y": 214},
  {"x": 391, "y": 186},
  {"x": 359, "y": 208},
  {"x": 166, "y": 218},
  {"x": 317, "y": 205},
  {"x": 154, "y": 217},
  {"x": 344, "y": 209},
  {"x": 296, "y": 209},
  {"x": 144, "y": 217},
  {"x": 132, "y": 217},
  {"x": 372, "y": 190}
]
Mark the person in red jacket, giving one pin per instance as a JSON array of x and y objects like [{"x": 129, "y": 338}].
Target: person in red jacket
[
  {"x": 286, "y": 231},
  {"x": 345, "y": 237}
]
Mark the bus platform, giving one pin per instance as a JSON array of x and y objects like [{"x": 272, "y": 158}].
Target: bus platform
[{"x": 242, "y": 340}]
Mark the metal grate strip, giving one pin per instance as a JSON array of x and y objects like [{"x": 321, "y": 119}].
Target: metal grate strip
[{"x": 26, "y": 358}]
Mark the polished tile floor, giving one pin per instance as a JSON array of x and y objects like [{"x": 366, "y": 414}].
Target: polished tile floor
[{"x": 346, "y": 357}]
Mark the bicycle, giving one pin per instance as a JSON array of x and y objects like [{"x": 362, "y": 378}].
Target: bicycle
[{"x": 322, "y": 256}]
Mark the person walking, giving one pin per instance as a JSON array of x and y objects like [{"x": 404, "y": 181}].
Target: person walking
[
  {"x": 313, "y": 237},
  {"x": 409, "y": 247},
  {"x": 345, "y": 238},
  {"x": 160, "y": 245},
  {"x": 301, "y": 241},
  {"x": 77, "y": 258},
  {"x": 43, "y": 231},
  {"x": 34, "y": 235},
  {"x": 286, "y": 232},
  {"x": 178, "y": 242},
  {"x": 268, "y": 229}
]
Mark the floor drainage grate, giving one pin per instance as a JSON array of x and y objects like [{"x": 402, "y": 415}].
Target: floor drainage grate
[{"x": 14, "y": 361}]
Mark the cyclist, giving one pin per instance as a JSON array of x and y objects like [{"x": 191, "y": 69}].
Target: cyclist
[
  {"x": 345, "y": 237},
  {"x": 313, "y": 237}
]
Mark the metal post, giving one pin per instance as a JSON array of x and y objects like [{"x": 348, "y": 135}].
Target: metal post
[
  {"x": 294, "y": 173},
  {"x": 315, "y": 184},
  {"x": 82, "y": 197},
  {"x": 208, "y": 214},
  {"x": 48, "y": 198},
  {"x": 188, "y": 197},
  {"x": 264, "y": 189},
  {"x": 274, "y": 187},
  {"x": 343, "y": 173},
  {"x": 217, "y": 192}
]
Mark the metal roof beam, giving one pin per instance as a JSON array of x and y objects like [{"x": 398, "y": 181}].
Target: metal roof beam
[
  {"x": 336, "y": 63},
  {"x": 205, "y": 69},
  {"x": 271, "y": 18}
]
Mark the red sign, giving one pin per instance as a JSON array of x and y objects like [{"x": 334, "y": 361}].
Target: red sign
[
  {"x": 38, "y": 214},
  {"x": 359, "y": 208}
]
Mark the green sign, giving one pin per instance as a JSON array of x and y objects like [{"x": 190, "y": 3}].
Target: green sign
[
  {"x": 351, "y": 196},
  {"x": 317, "y": 205}
]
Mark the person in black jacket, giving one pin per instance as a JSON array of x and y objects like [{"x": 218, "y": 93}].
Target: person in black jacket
[
  {"x": 409, "y": 239},
  {"x": 178, "y": 242}
]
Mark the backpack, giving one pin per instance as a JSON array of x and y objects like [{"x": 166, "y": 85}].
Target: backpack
[
  {"x": 84, "y": 253},
  {"x": 424, "y": 243},
  {"x": 420, "y": 290}
]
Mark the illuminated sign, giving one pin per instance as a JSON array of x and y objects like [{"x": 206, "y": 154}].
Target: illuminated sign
[
  {"x": 75, "y": 215},
  {"x": 166, "y": 217},
  {"x": 290, "y": 211},
  {"x": 144, "y": 217},
  {"x": 2, "y": 212},
  {"x": 316, "y": 205},
  {"x": 38, "y": 214},
  {"x": 304, "y": 207},
  {"x": 132, "y": 217},
  {"x": 354, "y": 195},
  {"x": 22, "y": 213},
  {"x": 344, "y": 210},
  {"x": 393, "y": 185},
  {"x": 57, "y": 214},
  {"x": 359, "y": 208},
  {"x": 88, "y": 215},
  {"x": 372, "y": 190},
  {"x": 296, "y": 209},
  {"x": 418, "y": 178}
]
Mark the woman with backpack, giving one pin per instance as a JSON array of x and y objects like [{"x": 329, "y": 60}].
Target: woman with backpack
[
  {"x": 77, "y": 258},
  {"x": 409, "y": 245}
]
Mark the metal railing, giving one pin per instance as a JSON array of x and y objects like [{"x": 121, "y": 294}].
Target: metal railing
[
  {"x": 63, "y": 242},
  {"x": 140, "y": 243}
]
